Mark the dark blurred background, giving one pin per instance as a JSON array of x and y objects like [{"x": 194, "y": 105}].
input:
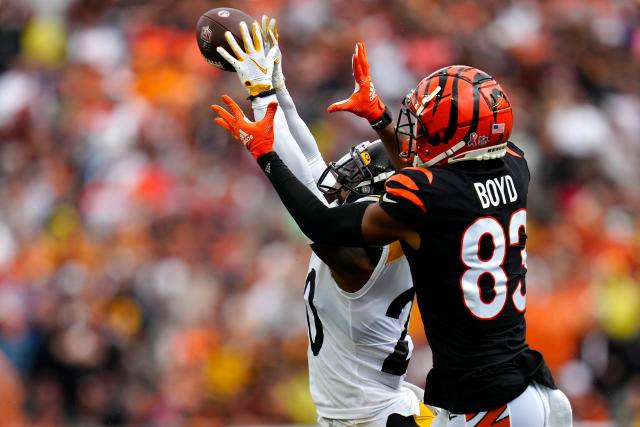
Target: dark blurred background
[{"x": 149, "y": 275}]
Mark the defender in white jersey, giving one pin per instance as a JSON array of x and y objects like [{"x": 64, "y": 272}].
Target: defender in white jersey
[
  {"x": 359, "y": 348},
  {"x": 358, "y": 299},
  {"x": 358, "y": 345}
]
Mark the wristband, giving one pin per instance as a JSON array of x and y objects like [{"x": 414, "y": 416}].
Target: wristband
[
  {"x": 383, "y": 121},
  {"x": 262, "y": 94}
]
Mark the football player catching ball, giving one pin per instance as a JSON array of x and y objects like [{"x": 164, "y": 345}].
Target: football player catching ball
[
  {"x": 460, "y": 215},
  {"x": 358, "y": 300}
]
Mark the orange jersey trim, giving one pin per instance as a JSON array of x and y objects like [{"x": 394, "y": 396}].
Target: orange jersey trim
[
  {"x": 425, "y": 171},
  {"x": 407, "y": 195},
  {"x": 404, "y": 180}
]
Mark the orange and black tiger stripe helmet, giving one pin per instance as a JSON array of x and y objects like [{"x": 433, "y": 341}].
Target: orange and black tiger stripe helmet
[{"x": 456, "y": 113}]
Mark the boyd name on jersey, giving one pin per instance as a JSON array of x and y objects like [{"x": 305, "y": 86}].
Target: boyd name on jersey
[{"x": 496, "y": 191}]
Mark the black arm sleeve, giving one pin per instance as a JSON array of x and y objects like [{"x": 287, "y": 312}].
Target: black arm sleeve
[{"x": 341, "y": 225}]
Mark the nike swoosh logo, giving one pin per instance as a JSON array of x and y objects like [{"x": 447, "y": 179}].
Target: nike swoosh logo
[
  {"x": 264, "y": 70},
  {"x": 386, "y": 199},
  {"x": 452, "y": 416}
]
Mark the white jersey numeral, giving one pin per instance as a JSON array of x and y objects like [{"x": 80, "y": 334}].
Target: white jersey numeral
[
  {"x": 519, "y": 221},
  {"x": 477, "y": 267},
  {"x": 493, "y": 266}
]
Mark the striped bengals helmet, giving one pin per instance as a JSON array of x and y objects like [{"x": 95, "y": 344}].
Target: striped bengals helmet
[{"x": 456, "y": 113}]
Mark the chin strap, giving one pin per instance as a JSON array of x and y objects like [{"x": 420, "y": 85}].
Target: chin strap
[
  {"x": 380, "y": 177},
  {"x": 448, "y": 153},
  {"x": 489, "y": 153},
  {"x": 383, "y": 176}
]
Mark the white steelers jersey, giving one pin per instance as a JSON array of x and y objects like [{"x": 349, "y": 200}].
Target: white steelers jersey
[{"x": 359, "y": 348}]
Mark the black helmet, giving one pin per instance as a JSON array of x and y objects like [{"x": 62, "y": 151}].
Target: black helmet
[{"x": 362, "y": 171}]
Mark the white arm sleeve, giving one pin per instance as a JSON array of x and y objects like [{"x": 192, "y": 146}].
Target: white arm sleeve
[
  {"x": 302, "y": 135},
  {"x": 285, "y": 145}
]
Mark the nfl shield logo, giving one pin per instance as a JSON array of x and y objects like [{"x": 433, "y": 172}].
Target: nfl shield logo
[{"x": 206, "y": 34}]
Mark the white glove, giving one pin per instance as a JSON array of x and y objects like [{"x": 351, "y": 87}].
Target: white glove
[
  {"x": 269, "y": 27},
  {"x": 253, "y": 67}
]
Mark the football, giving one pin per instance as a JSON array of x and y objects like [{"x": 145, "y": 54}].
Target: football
[{"x": 210, "y": 31}]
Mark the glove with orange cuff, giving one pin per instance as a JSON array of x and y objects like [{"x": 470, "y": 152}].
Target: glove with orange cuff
[
  {"x": 256, "y": 136},
  {"x": 364, "y": 101}
]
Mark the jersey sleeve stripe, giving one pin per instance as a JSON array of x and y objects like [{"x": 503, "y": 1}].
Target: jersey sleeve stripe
[
  {"x": 404, "y": 180},
  {"x": 407, "y": 195},
  {"x": 424, "y": 171}
]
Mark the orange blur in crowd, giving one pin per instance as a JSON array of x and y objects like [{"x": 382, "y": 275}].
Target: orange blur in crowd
[{"x": 149, "y": 276}]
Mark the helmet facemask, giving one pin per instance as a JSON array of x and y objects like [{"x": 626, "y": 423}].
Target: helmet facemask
[{"x": 410, "y": 125}]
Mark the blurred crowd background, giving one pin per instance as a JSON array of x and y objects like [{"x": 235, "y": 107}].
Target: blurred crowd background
[{"x": 149, "y": 275}]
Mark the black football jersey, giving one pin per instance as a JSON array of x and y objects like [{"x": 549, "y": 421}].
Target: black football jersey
[{"x": 469, "y": 276}]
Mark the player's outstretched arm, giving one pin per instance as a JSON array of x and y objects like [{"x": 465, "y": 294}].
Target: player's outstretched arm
[
  {"x": 262, "y": 93},
  {"x": 365, "y": 103},
  {"x": 387, "y": 135},
  {"x": 285, "y": 145},
  {"x": 302, "y": 135},
  {"x": 351, "y": 267},
  {"x": 297, "y": 126},
  {"x": 353, "y": 224}
]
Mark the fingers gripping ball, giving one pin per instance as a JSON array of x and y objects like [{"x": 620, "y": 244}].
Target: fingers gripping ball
[
  {"x": 256, "y": 136},
  {"x": 210, "y": 33},
  {"x": 253, "y": 66}
]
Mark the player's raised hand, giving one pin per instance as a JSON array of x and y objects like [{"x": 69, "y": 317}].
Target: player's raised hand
[
  {"x": 254, "y": 67},
  {"x": 256, "y": 136},
  {"x": 364, "y": 101},
  {"x": 271, "y": 37}
]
